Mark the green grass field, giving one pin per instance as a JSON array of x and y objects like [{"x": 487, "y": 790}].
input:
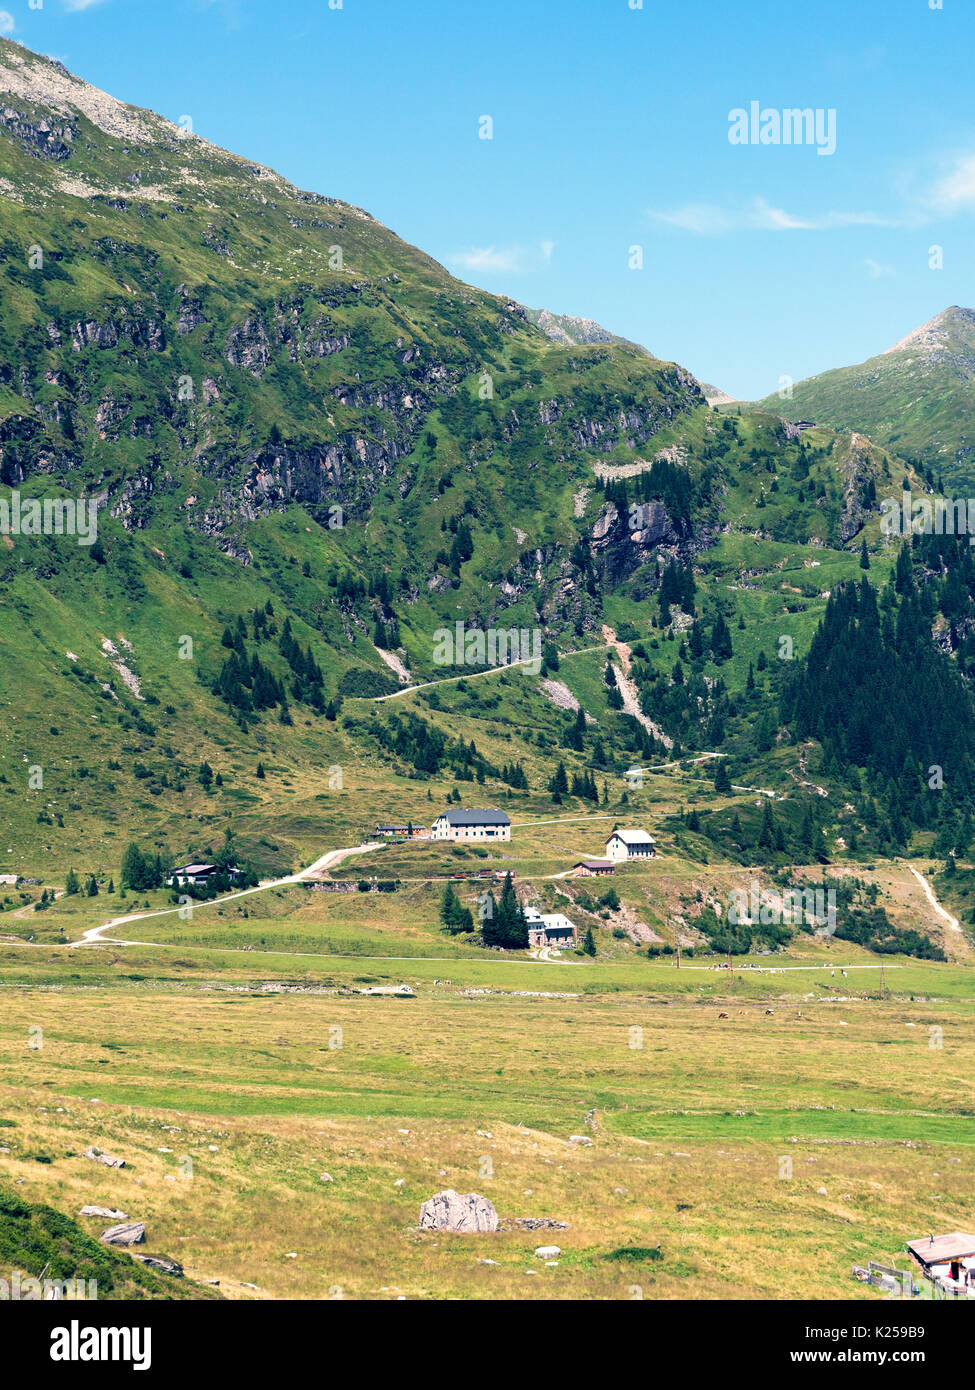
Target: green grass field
[{"x": 752, "y": 1156}]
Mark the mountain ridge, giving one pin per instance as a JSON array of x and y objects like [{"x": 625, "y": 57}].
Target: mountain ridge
[{"x": 916, "y": 396}]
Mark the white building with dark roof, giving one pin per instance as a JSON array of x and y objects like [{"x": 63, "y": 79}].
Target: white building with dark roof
[
  {"x": 471, "y": 825},
  {"x": 630, "y": 844},
  {"x": 550, "y": 928}
]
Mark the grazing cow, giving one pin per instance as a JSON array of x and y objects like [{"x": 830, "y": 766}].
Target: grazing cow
[
  {"x": 722, "y": 1015},
  {"x": 742, "y": 1011},
  {"x": 768, "y": 1012}
]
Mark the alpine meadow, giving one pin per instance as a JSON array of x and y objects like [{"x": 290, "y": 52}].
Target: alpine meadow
[{"x": 484, "y": 815}]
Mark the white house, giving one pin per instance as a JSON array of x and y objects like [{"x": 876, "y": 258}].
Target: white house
[
  {"x": 471, "y": 825},
  {"x": 630, "y": 844},
  {"x": 549, "y": 928},
  {"x": 950, "y": 1258},
  {"x": 198, "y": 875}
]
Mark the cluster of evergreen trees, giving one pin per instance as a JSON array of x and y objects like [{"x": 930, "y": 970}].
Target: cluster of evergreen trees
[
  {"x": 425, "y": 747},
  {"x": 306, "y": 687},
  {"x": 454, "y": 916},
  {"x": 249, "y": 686},
  {"x": 881, "y": 696},
  {"x": 515, "y": 776},
  {"x": 664, "y": 482},
  {"x": 584, "y": 786},
  {"x": 677, "y": 589},
  {"x": 462, "y": 546},
  {"x": 141, "y": 871},
  {"x": 503, "y": 923}
]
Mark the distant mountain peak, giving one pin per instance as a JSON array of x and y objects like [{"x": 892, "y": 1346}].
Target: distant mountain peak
[
  {"x": 714, "y": 395},
  {"x": 940, "y": 333},
  {"x": 42, "y": 104},
  {"x": 48, "y": 82},
  {"x": 572, "y": 331}
]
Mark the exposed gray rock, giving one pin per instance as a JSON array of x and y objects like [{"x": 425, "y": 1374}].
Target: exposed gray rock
[
  {"x": 454, "y": 1211},
  {"x": 540, "y": 1223},
  {"x": 161, "y": 1264},
  {"x": 107, "y": 1213},
  {"x": 126, "y": 1233},
  {"x": 99, "y": 1156}
]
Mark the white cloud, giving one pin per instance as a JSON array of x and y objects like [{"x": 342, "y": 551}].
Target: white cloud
[
  {"x": 514, "y": 260},
  {"x": 875, "y": 270},
  {"x": 80, "y": 4},
  {"x": 708, "y": 219},
  {"x": 956, "y": 188},
  {"x": 6, "y": 22}
]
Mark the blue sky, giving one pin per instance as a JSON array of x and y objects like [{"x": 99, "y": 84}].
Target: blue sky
[{"x": 610, "y": 130}]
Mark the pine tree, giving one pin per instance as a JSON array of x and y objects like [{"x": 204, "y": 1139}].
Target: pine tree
[
  {"x": 71, "y": 884},
  {"x": 589, "y": 943},
  {"x": 766, "y": 836},
  {"x": 133, "y": 868}
]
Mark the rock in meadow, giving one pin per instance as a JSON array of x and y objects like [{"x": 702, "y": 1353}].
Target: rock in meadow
[
  {"x": 467, "y": 1213},
  {"x": 162, "y": 1265},
  {"x": 126, "y": 1233},
  {"x": 99, "y": 1156}
]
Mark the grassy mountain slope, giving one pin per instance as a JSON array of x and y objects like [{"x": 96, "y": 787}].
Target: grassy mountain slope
[
  {"x": 295, "y": 423},
  {"x": 569, "y": 329},
  {"x": 42, "y": 1243},
  {"x": 917, "y": 397}
]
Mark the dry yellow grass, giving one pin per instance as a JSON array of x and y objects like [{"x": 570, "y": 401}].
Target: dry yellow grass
[{"x": 490, "y": 1090}]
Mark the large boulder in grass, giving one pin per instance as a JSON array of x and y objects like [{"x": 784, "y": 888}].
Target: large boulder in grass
[
  {"x": 126, "y": 1233},
  {"x": 99, "y": 1156},
  {"x": 466, "y": 1213},
  {"x": 161, "y": 1264}
]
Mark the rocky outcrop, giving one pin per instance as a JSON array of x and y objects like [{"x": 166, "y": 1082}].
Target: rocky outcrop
[
  {"x": 99, "y": 1156},
  {"x": 466, "y": 1213},
  {"x": 619, "y": 548},
  {"x": 125, "y": 1233},
  {"x": 135, "y": 325},
  {"x": 160, "y": 1264},
  {"x": 39, "y": 136}
]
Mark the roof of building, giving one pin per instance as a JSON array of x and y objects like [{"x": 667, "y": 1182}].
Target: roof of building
[
  {"x": 932, "y": 1250},
  {"x": 196, "y": 869},
  {"x": 475, "y": 817},
  {"x": 634, "y": 837},
  {"x": 594, "y": 864}
]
